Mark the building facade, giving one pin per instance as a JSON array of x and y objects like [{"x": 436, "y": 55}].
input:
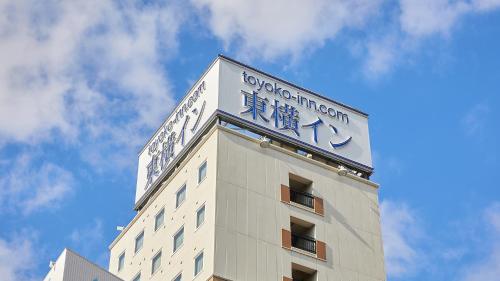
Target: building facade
[
  {"x": 252, "y": 178},
  {"x": 225, "y": 193}
]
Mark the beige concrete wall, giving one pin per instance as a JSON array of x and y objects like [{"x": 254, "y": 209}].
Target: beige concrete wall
[
  {"x": 195, "y": 240},
  {"x": 250, "y": 216},
  {"x": 241, "y": 236}
]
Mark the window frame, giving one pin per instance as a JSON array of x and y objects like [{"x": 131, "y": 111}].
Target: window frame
[
  {"x": 156, "y": 227},
  {"x": 142, "y": 244},
  {"x": 174, "y": 249},
  {"x": 202, "y": 207},
  {"x": 159, "y": 252},
  {"x": 200, "y": 253},
  {"x": 122, "y": 254},
  {"x": 183, "y": 187},
  {"x": 204, "y": 163},
  {"x": 138, "y": 275},
  {"x": 177, "y": 276}
]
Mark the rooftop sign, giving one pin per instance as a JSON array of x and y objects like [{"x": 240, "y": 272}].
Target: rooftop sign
[{"x": 266, "y": 103}]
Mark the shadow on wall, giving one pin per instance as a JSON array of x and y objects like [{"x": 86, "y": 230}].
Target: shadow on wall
[{"x": 342, "y": 220}]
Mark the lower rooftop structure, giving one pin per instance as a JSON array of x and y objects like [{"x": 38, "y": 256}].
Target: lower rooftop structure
[{"x": 70, "y": 266}]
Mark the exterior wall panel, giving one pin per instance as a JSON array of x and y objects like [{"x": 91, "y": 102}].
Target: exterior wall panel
[
  {"x": 195, "y": 240},
  {"x": 72, "y": 267},
  {"x": 242, "y": 237},
  {"x": 348, "y": 233}
]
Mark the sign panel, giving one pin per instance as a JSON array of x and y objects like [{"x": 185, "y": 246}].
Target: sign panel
[
  {"x": 294, "y": 113},
  {"x": 183, "y": 124},
  {"x": 270, "y": 105}
]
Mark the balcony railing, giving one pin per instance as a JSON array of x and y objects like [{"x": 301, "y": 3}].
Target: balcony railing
[
  {"x": 304, "y": 243},
  {"x": 302, "y": 198}
]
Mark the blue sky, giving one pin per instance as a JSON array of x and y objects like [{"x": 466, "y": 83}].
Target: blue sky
[{"x": 84, "y": 83}]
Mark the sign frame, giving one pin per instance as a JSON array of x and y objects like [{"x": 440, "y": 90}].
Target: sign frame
[{"x": 217, "y": 112}]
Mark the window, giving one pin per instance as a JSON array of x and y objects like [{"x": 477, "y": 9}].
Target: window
[
  {"x": 202, "y": 172},
  {"x": 159, "y": 219},
  {"x": 303, "y": 235},
  {"x": 198, "y": 264},
  {"x": 181, "y": 196},
  {"x": 121, "y": 261},
  {"x": 178, "y": 238},
  {"x": 301, "y": 191},
  {"x": 156, "y": 263},
  {"x": 137, "y": 277},
  {"x": 300, "y": 272},
  {"x": 95, "y": 279},
  {"x": 200, "y": 216},
  {"x": 178, "y": 277},
  {"x": 139, "y": 240}
]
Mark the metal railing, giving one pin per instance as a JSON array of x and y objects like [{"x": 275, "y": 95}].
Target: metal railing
[
  {"x": 302, "y": 198},
  {"x": 304, "y": 243}
]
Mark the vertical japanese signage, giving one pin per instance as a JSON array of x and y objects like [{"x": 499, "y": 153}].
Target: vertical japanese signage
[{"x": 177, "y": 132}]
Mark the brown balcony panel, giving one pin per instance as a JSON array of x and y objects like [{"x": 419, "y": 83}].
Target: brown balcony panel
[
  {"x": 286, "y": 239},
  {"x": 321, "y": 250},
  {"x": 318, "y": 206},
  {"x": 285, "y": 193}
]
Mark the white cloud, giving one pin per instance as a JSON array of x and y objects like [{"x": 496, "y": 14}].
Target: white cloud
[
  {"x": 84, "y": 68},
  {"x": 488, "y": 267},
  {"x": 486, "y": 270},
  {"x": 485, "y": 5},
  {"x": 66, "y": 64},
  {"x": 492, "y": 217},
  {"x": 388, "y": 32},
  {"x": 401, "y": 235},
  {"x": 474, "y": 121},
  {"x": 409, "y": 253},
  {"x": 388, "y": 166},
  {"x": 17, "y": 259},
  {"x": 269, "y": 29},
  {"x": 427, "y": 17},
  {"x": 453, "y": 254},
  {"x": 88, "y": 234},
  {"x": 27, "y": 187},
  {"x": 407, "y": 30},
  {"x": 88, "y": 240},
  {"x": 381, "y": 56}
]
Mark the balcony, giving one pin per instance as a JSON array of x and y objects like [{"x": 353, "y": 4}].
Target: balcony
[
  {"x": 302, "y": 198},
  {"x": 304, "y": 242},
  {"x": 303, "y": 235},
  {"x": 301, "y": 238}
]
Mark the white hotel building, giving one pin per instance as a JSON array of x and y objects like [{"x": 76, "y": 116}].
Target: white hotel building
[{"x": 253, "y": 178}]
